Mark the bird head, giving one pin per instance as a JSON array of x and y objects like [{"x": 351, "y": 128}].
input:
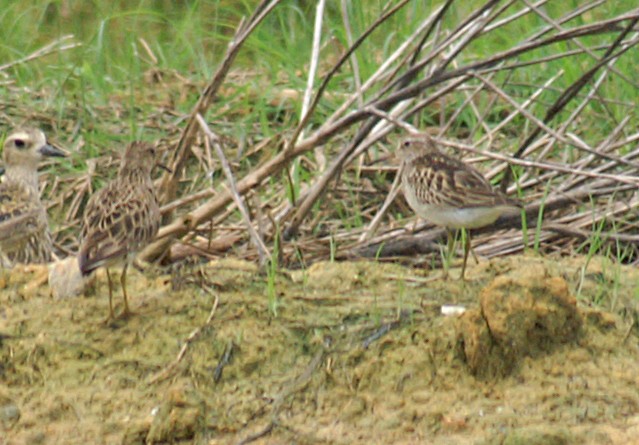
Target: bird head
[{"x": 26, "y": 147}]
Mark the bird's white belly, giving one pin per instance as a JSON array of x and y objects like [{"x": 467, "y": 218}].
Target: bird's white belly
[{"x": 468, "y": 218}]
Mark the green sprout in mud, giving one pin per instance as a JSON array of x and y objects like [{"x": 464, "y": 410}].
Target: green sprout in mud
[{"x": 272, "y": 269}]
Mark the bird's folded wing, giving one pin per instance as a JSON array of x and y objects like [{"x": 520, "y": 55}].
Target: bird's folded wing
[{"x": 17, "y": 225}]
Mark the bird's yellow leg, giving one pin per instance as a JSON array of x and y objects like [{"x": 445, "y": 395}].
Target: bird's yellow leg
[
  {"x": 127, "y": 311},
  {"x": 111, "y": 316}
]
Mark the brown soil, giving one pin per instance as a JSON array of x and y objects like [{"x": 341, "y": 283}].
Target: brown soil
[{"x": 339, "y": 353}]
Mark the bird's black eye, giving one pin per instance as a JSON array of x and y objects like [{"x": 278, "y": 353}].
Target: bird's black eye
[
  {"x": 406, "y": 144},
  {"x": 19, "y": 143}
]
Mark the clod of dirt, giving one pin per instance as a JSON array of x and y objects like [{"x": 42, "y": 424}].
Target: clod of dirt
[
  {"x": 520, "y": 315},
  {"x": 179, "y": 417}
]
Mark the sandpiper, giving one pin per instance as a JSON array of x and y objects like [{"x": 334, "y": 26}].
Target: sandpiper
[
  {"x": 121, "y": 218},
  {"x": 448, "y": 192}
]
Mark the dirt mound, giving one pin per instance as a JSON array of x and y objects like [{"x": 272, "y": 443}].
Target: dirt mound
[
  {"x": 518, "y": 316},
  {"x": 338, "y": 353}
]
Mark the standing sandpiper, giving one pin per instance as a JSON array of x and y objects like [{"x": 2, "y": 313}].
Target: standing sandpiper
[
  {"x": 121, "y": 219},
  {"x": 24, "y": 226},
  {"x": 448, "y": 192}
]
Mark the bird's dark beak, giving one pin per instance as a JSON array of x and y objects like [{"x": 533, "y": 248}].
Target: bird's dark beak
[
  {"x": 52, "y": 150},
  {"x": 164, "y": 167}
]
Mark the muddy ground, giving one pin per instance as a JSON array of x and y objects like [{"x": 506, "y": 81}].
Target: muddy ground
[{"x": 339, "y": 353}]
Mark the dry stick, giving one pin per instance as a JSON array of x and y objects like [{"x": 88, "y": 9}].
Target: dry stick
[
  {"x": 487, "y": 109},
  {"x": 551, "y": 230},
  {"x": 310, "y": 81},
  {"x": 453, "y": 117},
  {"x": 429, "y": 27},
  {"x": 593, "y": 91},
  {"x": 262, "y": 250},
  {"x": 200, "y": 194},
  {"x": 55, "y": 46},
  {"x": 165, "y": 373},
  {"x": 519, "y": 14},
  {"x": 529, "y": 101},
  {"x": 187, "y": 222},
  {"x": 460, "y": 32},
  {"x": 354, "y": 68},
  {"x": 377, "y": 219},
  {"x": 550, "y": 58},
  {"x": 568, "y": 17},
  {"x": 169, "y": 182}
]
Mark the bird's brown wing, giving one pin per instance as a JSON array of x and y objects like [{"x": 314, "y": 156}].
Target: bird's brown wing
[
  {"x": 118, "y": 220},
  {"x": 443, "y": 180},
  {"x": 22, "y": 217}
]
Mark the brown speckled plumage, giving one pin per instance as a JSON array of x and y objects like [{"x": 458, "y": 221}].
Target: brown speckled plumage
[
  {"x": 448, "y": 192},
  {"x": 24, "y": 227},
  {"x": 122, "y": 218}
]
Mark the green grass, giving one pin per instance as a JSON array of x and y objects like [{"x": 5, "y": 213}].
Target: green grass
[{"x": 191, "y": 39}]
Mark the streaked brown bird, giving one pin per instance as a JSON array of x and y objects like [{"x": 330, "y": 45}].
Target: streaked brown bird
[
  {"x": 24, "y": 226},
  {"x": 121, "y": 218},
  {"x": 447, "y": 192}
]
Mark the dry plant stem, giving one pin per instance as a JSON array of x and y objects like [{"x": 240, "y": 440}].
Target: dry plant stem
[
  {"x": 575, "y": 181},
  {"x": 166, "y": 372},
  {"x": 168, "y": 184},
  {"x": 522, "y": 12},
  {"x": 262, "y": 250},
  {"x": 354, "y": 62},
  {"x": 566, "y": 18},
  {"x": 62, "y": 44},
  {"x": 263, "y": 432},
  {"x": 312, "y": 73},
  {"x": 376, "y": 221}
]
